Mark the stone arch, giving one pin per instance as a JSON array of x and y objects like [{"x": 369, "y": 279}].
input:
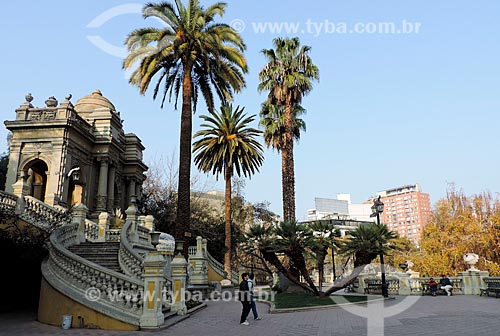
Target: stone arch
[{"x": 37, "y": 170}]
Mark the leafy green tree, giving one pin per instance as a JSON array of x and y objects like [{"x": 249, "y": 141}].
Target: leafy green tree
[
  {"x": 192, "y": 54},
  {"x": 287, "y": 77},
  {"x": 227, "y": 145}
]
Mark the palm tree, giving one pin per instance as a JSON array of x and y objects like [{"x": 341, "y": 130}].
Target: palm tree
[
  {"x": 366, "y": 242},
  {"x": 192, "y": 54},
  {"x": 323, "y": 238},
  {"x": 273, "y": 122},
  {"x": 228, "y": 145},
  {"x": 292, "y": 240},
  {"x": 287, "y": 77}
]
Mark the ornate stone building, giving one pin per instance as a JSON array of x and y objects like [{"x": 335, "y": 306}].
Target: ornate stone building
[{"x": 65, "y": 154}]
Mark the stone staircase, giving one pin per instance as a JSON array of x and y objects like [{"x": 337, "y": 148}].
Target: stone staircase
[{"x": 102, "y": 253}]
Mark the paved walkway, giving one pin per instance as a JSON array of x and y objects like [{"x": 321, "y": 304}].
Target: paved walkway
[{"x": 457, "y": 315}]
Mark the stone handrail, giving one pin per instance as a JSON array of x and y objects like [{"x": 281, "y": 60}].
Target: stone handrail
[
  {"x": 113, "y": 235},
  {"x": 91, "y": 230},
  {"x": 43, "y": 215},
  {"x": 416, "y": 284},
  {"x": 8, "y": 202},
  {"x": 192, "y": 250},
  {"x": 118, "y": 295},
  {"x": 219, "y": 268},
  {"x": 144, "y": 237},
  {"x": 129, "y": 259}
]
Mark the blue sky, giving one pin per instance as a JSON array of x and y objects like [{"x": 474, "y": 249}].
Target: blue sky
[{"x": 390, "y": 109}]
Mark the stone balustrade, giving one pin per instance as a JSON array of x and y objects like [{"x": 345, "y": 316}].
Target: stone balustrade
[
  {"x": 113, "y": 235},
  {"x": 8, "y": 202},
  {"x": 42, "y": 215},
  {"x": 91, "y": 230},
  {"x": 129, "y": 259},
  {"x": 119, "y": 296}
]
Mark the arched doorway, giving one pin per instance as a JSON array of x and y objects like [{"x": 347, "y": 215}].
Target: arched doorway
[{"x": 37, "y": 172}]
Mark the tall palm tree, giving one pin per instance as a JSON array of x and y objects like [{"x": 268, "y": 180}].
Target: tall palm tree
[
  {"x": 192, "y": 54},
  {"x": 273, "y": 122},
  {"x": 366, "y": 242},
  {"x": 287, "y": 77},
  {"x": 227, "y": 145}
]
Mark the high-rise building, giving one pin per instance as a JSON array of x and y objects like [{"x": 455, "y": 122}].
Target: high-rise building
[
  {"x": 407, "y": 210},
  {"x": 327, "y": 208}
]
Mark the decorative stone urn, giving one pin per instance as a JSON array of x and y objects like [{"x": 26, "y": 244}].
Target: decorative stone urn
[
  {"x": 471, "y": 259},
  {"x": 51, "y": 102}
]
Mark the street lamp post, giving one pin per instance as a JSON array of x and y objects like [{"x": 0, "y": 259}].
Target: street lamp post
[{"x": 377, "y": 209}]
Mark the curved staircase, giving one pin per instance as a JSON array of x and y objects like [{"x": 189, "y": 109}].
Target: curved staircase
[{"x": 102, "y": 284}]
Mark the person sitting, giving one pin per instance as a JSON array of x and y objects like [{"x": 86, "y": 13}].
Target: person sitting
[
  {"x": 433, "y": 286},
  {"x": 446, "y": 284}
]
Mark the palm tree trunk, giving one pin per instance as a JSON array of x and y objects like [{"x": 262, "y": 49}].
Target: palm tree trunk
[
  {"x": 284, "y": 191},
  {"x": 183, "y": 192},
  {"x": 227, "y": 242},
  {"x": 288, "y": 171}
]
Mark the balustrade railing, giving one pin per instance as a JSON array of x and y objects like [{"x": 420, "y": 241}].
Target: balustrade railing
[
  {"x": 144, "y": 236},
  {"x": 192, "y": 250},
  {"x": 8, "y": 202},
  {"x": 417, "y": 288},
  {"x": 113, "y": 235},
  {"x": 219, "y": 268},
  {"x": 118, "y": 295},
  {"x": 42, "y": 215},
  {"x": 129, "y": 259},
  {"x": 91, "y": 230}
]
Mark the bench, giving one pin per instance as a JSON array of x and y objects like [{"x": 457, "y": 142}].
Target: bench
[
  {"x": 491, "y": 287},
  {"x": 426, "y": 290}
]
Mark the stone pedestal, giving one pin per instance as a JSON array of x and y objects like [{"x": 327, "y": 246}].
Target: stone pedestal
[
  {"x": 132, "y": 216},
  {"x": 21, "y": 187},
  {"x": 79, "y": 215},
  {"x": 199, "y": 265},
  {"x": 104, "y": 220},
  {"x": 472, "y": 281},
  {"x": 152, "y": 315},
  {"x": 179, "y": 273},
  {"x": 404, "y": 283},
  {"x": 149, "y": 222}
]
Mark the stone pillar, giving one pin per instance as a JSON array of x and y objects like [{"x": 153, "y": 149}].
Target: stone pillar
[
  {"x": 12, "y": 173},
  {"x": 132, "y": 216},
  {"x": 131, "y": 189},
  {"x": 199, "y": 265},
  {"x": 404, "y": 283},
  {"x": 179, "y": 272},
  {"x": 79, "y": 216},
  {"x": 104, "y": 220},
  {"x": 103, "y": 185},
  {"x": 472, "y": 281},
  {"x": 21, "y": 187},
  {"x": 111, "y": 189},
  {"x": 149, "y": 222},
  {"x": 204, "y": 246},
  {"x": 152, "y": 314},
  {"x": 199, "y": 247}
]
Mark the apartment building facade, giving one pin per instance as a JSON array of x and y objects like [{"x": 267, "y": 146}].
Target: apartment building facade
[{"x": 407, "y": 210}]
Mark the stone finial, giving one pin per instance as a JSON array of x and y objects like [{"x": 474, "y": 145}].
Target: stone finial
[
  {"x": 471, "y": 259},
  {"x": 51, "y": 102},
  {"x": 29, "y": 98}
]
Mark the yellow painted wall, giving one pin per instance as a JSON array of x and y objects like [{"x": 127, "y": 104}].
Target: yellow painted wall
[
  {"x": 53, "y": 305},
  {"x": 213, "y": 275}
]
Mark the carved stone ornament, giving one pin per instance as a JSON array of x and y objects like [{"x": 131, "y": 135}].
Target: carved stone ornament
[{"x": 51, "y": 102}]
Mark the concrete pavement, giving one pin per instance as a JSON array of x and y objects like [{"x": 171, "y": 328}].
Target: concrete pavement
[{"x": 456, "y": 315}]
